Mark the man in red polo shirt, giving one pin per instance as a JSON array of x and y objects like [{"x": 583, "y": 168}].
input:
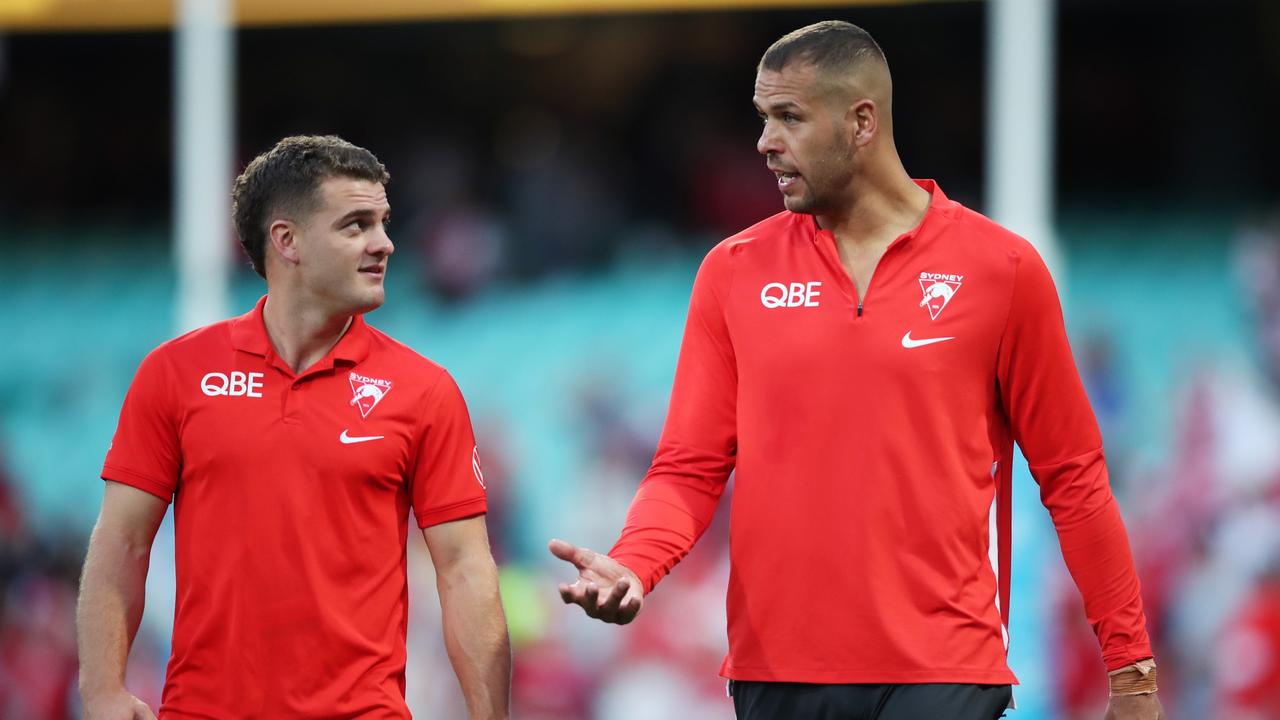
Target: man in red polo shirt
[
  {"x": 294, "y": 442},
  {"x": 865, "y": 360}
]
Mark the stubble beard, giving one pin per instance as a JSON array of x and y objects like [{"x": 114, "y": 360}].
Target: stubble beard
[{"x": 824, "y": 185}]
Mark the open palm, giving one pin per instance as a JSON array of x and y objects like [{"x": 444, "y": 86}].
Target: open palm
[{"x": 605, "y": 589}]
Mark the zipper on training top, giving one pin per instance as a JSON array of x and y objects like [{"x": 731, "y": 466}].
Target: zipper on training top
[
  {"x": 838, "y": 267},
  {"x": 862, "y": 296}
]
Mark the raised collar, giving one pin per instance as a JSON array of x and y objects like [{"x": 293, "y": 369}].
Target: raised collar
[
  {"x": 940, "y": 207},
  {"x": 249, "y": 334}
]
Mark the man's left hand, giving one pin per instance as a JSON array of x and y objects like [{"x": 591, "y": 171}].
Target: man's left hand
[{"x": 1135, "y": 707}]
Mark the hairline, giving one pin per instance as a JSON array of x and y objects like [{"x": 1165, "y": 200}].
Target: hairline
[
  {"x": 827, "y": 87},
  {"x": 313, "y": 201}
]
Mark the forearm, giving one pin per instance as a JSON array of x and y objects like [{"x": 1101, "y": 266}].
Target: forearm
[
  {"x": 657, "y": 534},
  {"x": 475, "y": 635},
  {"x": 671, "y": 510},
  {"x": 698, "y": 448},
  {"x": 1096, "y": 550},
  {"x": 109, "y": 610}
]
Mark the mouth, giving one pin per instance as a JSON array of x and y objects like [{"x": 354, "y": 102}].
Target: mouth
[
  {"x": 374, "y": 270},
  {"x": 785, "y": 179}
]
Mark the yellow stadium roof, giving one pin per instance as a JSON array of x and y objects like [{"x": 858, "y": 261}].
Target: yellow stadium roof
[{"x": 106, "y": 15}]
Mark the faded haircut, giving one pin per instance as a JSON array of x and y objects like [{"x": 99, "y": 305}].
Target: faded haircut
[{"x": 833, "y": 47}]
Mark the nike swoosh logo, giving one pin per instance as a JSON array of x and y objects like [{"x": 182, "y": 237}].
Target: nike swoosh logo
[
  {"x": 908, "y": 342},
  {"x": 348, "y": 439}
]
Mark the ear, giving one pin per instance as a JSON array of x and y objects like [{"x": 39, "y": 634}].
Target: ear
[
  {"x": 283, "y": 236},
  {"x": 863, "y": 121}
]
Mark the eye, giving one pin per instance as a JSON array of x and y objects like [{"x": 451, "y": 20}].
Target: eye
[{"x": 789, "y": 117}]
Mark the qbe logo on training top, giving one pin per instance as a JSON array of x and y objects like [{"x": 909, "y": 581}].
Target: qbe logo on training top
[
  {"x": 367, "y": 392},
  {"x": 938, "y": 289},
  {"x": 232, "y": 384},
  {"x": 796, "y": 294}
]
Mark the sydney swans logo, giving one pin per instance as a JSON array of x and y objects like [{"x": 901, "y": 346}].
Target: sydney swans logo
[
  {"x": 938, "y": 289},
  {"x": 367, "y": 392}
]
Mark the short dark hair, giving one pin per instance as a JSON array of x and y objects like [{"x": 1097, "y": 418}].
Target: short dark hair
[
  {"x": 830, "y": 46},
  {"x": 287, "y": 179}
]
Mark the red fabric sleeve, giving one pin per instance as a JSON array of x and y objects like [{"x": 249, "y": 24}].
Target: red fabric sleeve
[
  {"x": 1054, "y": 425},
  {"x": 446, "y": 482},
  {"x": 145, "y": 451},
  {"x": 696, "y": 453}
]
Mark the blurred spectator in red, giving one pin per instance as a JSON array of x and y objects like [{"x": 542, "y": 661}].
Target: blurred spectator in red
[
  {"x": 1247, "y": 674},
  {"x": 463, "y": 250},
  {"x": 1209, "y": 539},
  {"x": 727, "y": 189},
  {"x": 461, "y": 241},
  {"x": 37, "y": 647}
]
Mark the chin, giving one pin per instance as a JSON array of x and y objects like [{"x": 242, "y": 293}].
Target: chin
[
  {"x": 801, "y": 204},
  {"x": 368, "y": 303}
]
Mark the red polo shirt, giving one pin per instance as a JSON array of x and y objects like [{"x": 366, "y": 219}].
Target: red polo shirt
[
  {"x": 870, "y": 436},
  {"x": 292, "y": 496}
]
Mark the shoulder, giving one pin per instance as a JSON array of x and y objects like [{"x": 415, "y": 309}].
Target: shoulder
[
  {"x": 1009, "y": 261},
  {"x": 390, "y": 356},
  {"x": 986, "y": 235},
  {"x": 774, "y": 233},
  {"x": 202, "y": 338},
  {"x": 195, "y": 346}
]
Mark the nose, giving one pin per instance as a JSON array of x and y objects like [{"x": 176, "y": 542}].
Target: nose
[
  {"x": 380, "y": 244},
  {"x": 769, "y": 143}
]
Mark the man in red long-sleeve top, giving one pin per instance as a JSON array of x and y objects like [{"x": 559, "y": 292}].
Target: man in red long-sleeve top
[{"x": 865, "y": 360}]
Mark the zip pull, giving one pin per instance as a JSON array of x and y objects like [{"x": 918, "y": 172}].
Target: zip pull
[{"x": 859, "y": 308}]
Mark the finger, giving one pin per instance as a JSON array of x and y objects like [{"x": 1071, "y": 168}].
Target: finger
[
  {"x": 608, "y": 607},
  {"x": 571, "y": 594},
  {"x": 631, "y": 607},
  {"x": 563, "y": 550},
  {"x": 591, "y": 599},
  {"x": 614, "y": 597},
  {"x": 142, "y": 711},
  {"x": 581, "y": 557},
  {"x": 627, "y": 611}
]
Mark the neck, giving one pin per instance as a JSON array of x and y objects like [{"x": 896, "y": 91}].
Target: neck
[
  {"x": 301, "y": 333},
  {"x": 886, "y": 204}
]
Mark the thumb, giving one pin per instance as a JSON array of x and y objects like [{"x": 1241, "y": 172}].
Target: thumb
[
  {"x": 569, "y": 552},
  {"x": 581, "y": 557}
]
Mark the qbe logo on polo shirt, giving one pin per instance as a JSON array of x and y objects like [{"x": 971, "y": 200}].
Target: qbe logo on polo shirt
[
  {"x": 796, "y": 294},
  {"x": 233, "y": 384}
]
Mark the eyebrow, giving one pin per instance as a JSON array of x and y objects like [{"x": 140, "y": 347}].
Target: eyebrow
[
  {"x": 360, "y": 213},
  {"x": 780, "y": 106}
]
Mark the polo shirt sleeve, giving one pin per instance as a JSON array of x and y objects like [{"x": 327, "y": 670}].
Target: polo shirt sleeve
[
  {"x": 678, "y": 496},
  {"x": 145, "y": 452},
  {"x": 447, "y": 482},
  {"x": 1053, "y": 423}
]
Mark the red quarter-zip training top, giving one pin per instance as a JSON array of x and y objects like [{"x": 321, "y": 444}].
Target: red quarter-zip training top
[{"x": 870, "y": 436}]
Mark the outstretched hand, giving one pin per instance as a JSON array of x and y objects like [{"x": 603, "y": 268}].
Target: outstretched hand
[{"x": 605, "y": 589}]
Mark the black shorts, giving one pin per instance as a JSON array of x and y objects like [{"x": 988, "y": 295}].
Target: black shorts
[{"x": 804, "y": 701}]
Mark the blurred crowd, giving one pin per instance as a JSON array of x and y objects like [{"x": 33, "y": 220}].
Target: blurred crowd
[
  {"x": 554, "y": 147},
  {"x": 37, "y": 601},
  {"x": 1204, "y": 523}
]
